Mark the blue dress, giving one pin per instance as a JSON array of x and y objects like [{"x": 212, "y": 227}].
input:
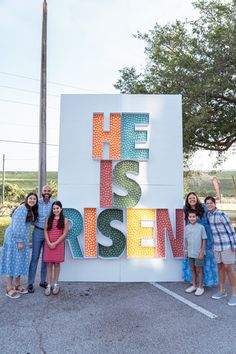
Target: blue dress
[
  {"x": 209, "y": 266},
  {"x": 15, "y": 262}
]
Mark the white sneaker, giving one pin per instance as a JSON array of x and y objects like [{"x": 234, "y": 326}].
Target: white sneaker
[
  {"x": 190, "y": 289},
  {"x": 199, "y": 291}
]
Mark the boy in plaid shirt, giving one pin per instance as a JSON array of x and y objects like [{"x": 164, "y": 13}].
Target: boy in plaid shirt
[{"x": 224, "y": 244}]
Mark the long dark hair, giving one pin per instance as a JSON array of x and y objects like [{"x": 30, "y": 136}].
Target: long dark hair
[
  {"x": 61, "y": 220},
  {"x": 199, "y": 207},
  {"x": 32, "y": 212}
]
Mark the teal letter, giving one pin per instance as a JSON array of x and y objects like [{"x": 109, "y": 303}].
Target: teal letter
[
  {"x": 130, "y": 136},
  {"x": 76, "y": 221},
  {"x": 118, "y": 238}
]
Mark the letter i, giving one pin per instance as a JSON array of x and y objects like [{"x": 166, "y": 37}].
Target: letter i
[{"x": 105, "y": 184}]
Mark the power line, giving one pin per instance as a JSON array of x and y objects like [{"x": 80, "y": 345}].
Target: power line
[
  {"x": 24, "y": 142},
  {"x": 21, "y": 159},
  {"x": 23, "y": 125},
  {"x": 49, "y": 157},
  {"x": 50, "y": 82},
  {"x": 16, "y": 75},
  {"x": 26, "y": 103},
  {"x": 24, "y": 90},
  {"x": 74, "y": 87},
  {"x": 19, "y": 125}
]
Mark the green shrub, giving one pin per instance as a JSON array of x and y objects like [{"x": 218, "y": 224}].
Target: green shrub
[{"x": 12, "y": 193}]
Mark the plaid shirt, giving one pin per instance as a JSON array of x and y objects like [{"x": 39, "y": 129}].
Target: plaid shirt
[{"x": 224, "y": 236}]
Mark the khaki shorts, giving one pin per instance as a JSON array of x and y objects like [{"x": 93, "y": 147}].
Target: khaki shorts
[{"x": 225, "y": 257}]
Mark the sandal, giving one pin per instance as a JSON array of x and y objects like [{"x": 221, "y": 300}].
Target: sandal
[
  {"x": 56, "y": 289},
  {"x": 47, "y": 291},
  {"x": 12, "y": 294},
  {"x": 21, "y": 290}
]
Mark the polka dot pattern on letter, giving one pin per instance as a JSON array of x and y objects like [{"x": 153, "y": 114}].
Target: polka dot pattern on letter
[
  {"x": 163, "y": 223},
  {"x": 112, "y": 136},
  {"x": 134, "y": 191},
  {"x": 118, "y": 238},
  {"x": 73, "y": 234},
  {"x": 135, "y": 232}
]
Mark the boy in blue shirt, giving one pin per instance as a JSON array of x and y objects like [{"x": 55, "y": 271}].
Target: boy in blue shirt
[{"x": 195, "y": 238}]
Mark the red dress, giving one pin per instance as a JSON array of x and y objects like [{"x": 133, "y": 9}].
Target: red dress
[{"x": 54, "y": 255}]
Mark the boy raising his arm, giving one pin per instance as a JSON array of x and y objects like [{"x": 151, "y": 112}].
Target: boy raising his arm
[
  {"x": 224, "y": 243},
  {"x": 195, "y": 237}
]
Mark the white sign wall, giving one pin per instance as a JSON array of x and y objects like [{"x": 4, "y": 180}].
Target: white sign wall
[{"x": 120, "y": 182}]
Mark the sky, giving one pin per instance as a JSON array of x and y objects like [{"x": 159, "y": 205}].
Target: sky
[{"x": 89, "y": 41}]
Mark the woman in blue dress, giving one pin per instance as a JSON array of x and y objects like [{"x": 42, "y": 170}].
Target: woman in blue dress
[
  {"x": 15, "y": 250},
  {"x": 209, "y": 267}
]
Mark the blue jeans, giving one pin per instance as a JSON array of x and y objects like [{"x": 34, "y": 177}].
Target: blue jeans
[{"x": 37, "y": 245}]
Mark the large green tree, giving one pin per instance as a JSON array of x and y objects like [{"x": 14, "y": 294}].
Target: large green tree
[{"x": 196, "y": 59}]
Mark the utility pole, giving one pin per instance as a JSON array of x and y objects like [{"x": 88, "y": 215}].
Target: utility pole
[
  {"x": 43, "y": 104},
  {"x": 3, "y": 178}
]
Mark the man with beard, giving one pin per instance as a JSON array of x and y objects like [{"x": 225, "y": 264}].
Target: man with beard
[{"x": 44, "y": 208}]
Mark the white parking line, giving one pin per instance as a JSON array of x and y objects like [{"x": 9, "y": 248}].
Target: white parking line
[{"x": 187, "y": 302}]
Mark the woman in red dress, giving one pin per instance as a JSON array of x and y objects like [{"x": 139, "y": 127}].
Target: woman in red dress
[{"x": 55, "y": 231}]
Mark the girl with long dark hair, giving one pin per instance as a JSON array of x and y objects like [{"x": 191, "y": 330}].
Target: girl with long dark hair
[
  {"x": 15, "y": 251},
  {"x": 55, "y": 231}
]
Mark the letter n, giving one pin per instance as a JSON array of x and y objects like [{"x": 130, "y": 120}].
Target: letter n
[{"x": 163, "y": 226}]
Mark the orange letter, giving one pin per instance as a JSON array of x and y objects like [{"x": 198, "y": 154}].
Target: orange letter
[
  {"x": 90, "y": 229},
  {"x": 112, "y": 136}
]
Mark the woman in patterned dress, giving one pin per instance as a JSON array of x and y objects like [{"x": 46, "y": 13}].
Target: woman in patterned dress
[
  {"x": 55, "y": 231},
  {"x": 15, "y": 251},
  {"x": 209, "y": 267}
]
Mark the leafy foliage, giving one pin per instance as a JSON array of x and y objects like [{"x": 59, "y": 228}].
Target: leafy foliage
[
  {"x": 13, "y": 193},
  {"x": 53, "y": 185},
  {"x": 196, "y": 59}
]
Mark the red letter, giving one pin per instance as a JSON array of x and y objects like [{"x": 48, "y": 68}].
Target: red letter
[{"x": 163, "y": 224}]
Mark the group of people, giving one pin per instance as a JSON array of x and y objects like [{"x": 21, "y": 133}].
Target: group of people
[
  {"x": 49, "y": 233},
  {"x": 210, "y": 243}
]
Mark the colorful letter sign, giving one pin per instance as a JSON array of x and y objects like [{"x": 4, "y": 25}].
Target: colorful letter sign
[{"x": 121, "y": 185}]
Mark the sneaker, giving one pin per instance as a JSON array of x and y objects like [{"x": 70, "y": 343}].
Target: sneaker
[
  {"x": 190, "y": 289},
  {"x": 232, "y": 301},
  {"x": 55, "y": 289},
  {"x": 219, "y": 295},
  {"x": 43, "y": 284},
  {"x": 199, "y": 291},
  {"x": 47, "y": 291},
  {"x": 30, "y": 289}
]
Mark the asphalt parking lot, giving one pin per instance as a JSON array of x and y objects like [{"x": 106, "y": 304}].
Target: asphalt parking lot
[{"x": 116, "y": 318}]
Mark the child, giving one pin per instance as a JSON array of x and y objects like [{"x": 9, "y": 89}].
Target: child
[
  {"x": 195, "y": 236},
  {"x": 16, "y": 250},
  {"x": 55, "y": 231},
  {"x": 224, "y": 243}
]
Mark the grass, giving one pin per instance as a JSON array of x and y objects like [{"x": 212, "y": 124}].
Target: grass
[{"x": 27, "y": 180}]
